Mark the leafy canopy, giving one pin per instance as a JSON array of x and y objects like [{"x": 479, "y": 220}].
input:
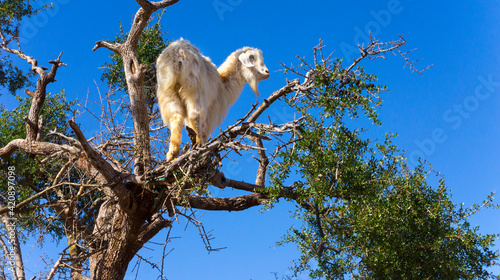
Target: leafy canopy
[
  {"x": 33, "y": 175},
  {"x": 12, "y": 12},
  {"x": 365, "y": 213}
]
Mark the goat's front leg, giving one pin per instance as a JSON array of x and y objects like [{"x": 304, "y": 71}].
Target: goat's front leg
[{"x": 175, "y": 125}]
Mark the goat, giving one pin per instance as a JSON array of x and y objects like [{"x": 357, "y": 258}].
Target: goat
[{"x": 192, "y": 90}]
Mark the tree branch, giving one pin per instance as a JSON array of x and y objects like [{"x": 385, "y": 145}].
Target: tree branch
[
  {"x": 149, "y": 230},
  {"x": 145, "y": 4},
  {"x": 156, "y": 5},
  {"x": 36, "y": 148},
  {"x": 55, "y": 65},
  {"x": 14, "y": 241},
  {"x": 41, "y": 86},
  {"x": 104, "y": 167},
  {"x": 237, "y": 203},
  {"x": 260, "y": 179},
  {"x": 112, "y": 176},
  {"x": 240, "y": 185},
  {"x": 274, "y": 96},
  {"x": 103, "y": 44},
  {"x": 134, "y": 73},
  {"x": 70, "y": 140},
  {"x": 20, "y": 205},
  {"x": 53, "y": 271},
  {"x": 6, "y": 252},
  {"x": 34, "y": 63}
]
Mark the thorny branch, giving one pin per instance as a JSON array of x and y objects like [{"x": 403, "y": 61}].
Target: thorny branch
[{"x": 206, "y": 237}]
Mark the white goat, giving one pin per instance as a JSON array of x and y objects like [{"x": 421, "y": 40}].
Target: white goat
[{"x": 193, "y": 91}]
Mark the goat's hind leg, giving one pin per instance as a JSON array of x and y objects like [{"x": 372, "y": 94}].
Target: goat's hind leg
[
  {"x": 174, "y": 148},
  {"x": 172, "y": 113},
  {"x": 191, "y": 134},
  {"x": 195, "y": 125},
  {"x": 195, "y": 116}
]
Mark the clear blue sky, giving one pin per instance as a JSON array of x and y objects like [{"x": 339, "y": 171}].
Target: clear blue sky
[{"x": 449, "y": 115}]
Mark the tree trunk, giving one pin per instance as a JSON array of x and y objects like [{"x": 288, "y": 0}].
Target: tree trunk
[
  {"x": 118, "y": 232},
  {"x": 134, "y": 73},
  {"x": 33, "y": 116}
]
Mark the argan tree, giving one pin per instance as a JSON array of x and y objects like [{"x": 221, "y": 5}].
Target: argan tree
[{"x": 364, "y": 211}]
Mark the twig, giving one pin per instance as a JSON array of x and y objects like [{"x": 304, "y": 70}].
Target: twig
[{"x": 56, "y": 266}]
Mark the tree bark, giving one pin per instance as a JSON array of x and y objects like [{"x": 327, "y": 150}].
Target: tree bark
[
  {"x": 18, "y": 269},
  {"x": 120, "y": 236},
  {"x": 134, "y": 73},
  {"x": 118, "y": 233}
]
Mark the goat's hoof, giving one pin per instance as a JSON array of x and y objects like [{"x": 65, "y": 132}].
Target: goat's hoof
[{"x": 171, "y": 156}]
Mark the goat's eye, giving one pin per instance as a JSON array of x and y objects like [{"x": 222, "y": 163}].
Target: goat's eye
[{"x": 251, "y": 57}]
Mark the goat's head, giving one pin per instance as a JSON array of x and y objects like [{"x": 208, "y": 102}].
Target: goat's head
[{"x": 254, "y": 70}]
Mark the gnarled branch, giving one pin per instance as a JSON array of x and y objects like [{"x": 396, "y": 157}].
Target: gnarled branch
[{"x": 35, "y": 148}]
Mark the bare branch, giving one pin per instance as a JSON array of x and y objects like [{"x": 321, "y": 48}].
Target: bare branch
[
  {"x": 163, "y": 4},
  {"x": 54, "y": 269},
  {"x": 70, "y": 140},
  {"x": 237, "y": 203},
  {"x": 274, "y": 96},
  {"x": 134, "y": 73},
  {"x": 34, "y": 63},
  {"x": 55, "y": 65},
  {"x": 240, "y": 185},
  {"x": 15, "y": 247},
  {"x": 29, "y": 92},
  {"x": 151, "y": 229},
  {"x": 6, "y": 252},
  {"x": 104, "y": 167},
  {"x": 238, "y": 122},
  {"x": 103, "y": 44},
  {"x": 263, "y": 162},
  {"x": 190, "y": 155},
  {"x": 412, "y": 63},
  {"x": 21, "y": 204},
  {"x": 145, "y": 4},
  {"x": 35, "y": 148},
  {"x": 282, "y": 128},
  {"x": 153, "y": 6},
  {"x": 113, "y": 177},
  {"x": 38, "y": 97},
  {"x": 206, "y": 237}
]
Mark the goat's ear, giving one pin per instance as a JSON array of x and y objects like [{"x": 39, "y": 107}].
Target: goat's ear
[{"x": 245, "y": 60}]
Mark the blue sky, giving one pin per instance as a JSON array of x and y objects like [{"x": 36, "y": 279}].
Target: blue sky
[{"x": 449, "y": 115}]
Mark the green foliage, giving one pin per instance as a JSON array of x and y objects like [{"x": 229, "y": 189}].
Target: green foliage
[
  {"x": 31, "y": 173},
  {"x": 151, "y": 44},
  {"x": 55, "y": 112},
  {"x": 11, "y": 14},
  {"x": 13, "y": 11},
  {"x": 365, "y": 213},
  {"x": 12, "y": 77}
]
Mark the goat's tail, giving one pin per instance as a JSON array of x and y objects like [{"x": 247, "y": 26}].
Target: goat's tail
[{"x": 179, "y": 65}]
